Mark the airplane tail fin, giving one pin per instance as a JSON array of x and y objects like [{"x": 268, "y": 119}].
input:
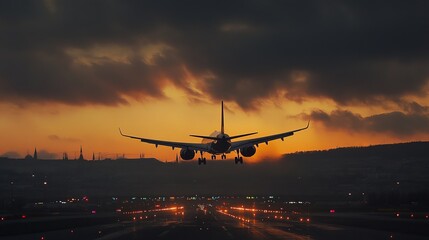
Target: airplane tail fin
[{"x": 222, "y": 128}]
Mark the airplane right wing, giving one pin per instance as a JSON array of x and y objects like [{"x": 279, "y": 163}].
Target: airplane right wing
[
  {"x": 191, "y": 146},
  {"x": 266, "y": 139}
]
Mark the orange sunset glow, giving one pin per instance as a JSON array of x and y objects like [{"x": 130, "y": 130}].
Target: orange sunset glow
[
  {"x": 139, "y": 119},
  {"x": 77, "y": 82},
  {"x": 57, "y": 128}
]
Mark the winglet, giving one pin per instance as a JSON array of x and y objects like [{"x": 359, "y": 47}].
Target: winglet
[
  {"x": 121, "y": 132},
  {"x": 297, "y": 130}
]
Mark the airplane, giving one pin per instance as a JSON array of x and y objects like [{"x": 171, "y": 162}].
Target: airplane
[{"x": 218, "y": 143}]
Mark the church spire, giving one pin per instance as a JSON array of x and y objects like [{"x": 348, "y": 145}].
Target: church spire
[
  {"x": 35, "y": 154},
  {"x": 81, "y": 155}
]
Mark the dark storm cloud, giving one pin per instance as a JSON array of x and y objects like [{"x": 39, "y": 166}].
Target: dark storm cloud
[
  {"x": 394, "y": 123},
  {"x": 413, "y": 107},
  {"x": 243, "y": 51}
]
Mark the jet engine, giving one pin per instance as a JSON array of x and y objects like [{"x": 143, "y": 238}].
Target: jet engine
[
  {"x": 248, "y": 151},
  {"x": 187, "y": 154}
]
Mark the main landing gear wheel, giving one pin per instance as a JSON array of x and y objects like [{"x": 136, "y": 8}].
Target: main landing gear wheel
[
  {"x": 213, "y": 157},
  {"x": 238, "y": 159},
  {"x": 223, "y": 156},
  {"x": 201, "y": 159}
]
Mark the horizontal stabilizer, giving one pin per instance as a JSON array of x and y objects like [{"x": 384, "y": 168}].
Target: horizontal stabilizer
[
  {"x": 242, "y": 135},
  {"x": 205, "y": 137},
  {"x": 228, "y": 138}
]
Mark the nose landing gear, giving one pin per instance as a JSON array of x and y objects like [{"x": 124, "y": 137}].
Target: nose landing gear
[{"x": 223, "y": 156}]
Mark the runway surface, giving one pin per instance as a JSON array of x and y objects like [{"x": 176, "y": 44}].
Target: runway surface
[{"x": 194, "y": 222}]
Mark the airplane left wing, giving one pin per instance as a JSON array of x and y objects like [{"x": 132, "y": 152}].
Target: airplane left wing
[
  {"x": 266, "y": 139},
  {"x": 191, "y": 146}
]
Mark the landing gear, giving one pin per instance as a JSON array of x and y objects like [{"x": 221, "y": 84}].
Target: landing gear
[
  {"x": 213, "y": 157},
  {"x": 238, "y": 159},
  {"x": 201, "y": 159},
  {"x": 223, "y": 156}
]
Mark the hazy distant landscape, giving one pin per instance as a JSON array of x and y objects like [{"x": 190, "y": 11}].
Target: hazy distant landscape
[{"x": 395, "y": 174}]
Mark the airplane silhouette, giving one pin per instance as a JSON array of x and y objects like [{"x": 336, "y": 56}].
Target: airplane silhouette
[{"x": 218, "y": 143}]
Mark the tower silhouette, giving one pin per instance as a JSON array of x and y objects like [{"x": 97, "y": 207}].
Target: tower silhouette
[
  {"x": 35, "y": 154},
  {"x": 81, "y": 155}
]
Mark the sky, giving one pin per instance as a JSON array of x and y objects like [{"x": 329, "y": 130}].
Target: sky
[{"x": 73, "y": 72}]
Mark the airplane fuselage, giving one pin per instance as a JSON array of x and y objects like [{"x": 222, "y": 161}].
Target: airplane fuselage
[{"x": 222, "y": 145}]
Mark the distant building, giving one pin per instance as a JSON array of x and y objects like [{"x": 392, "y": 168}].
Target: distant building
[
  {"x": 93, "y": 157},
  {"x": 29, "y": 157},
  {"x": 35, "y": 154},
  {"x": 81, "y": 155},
  {"x": 65, "y": 156}
]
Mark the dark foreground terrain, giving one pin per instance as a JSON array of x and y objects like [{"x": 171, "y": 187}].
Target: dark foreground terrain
[
  {"x": 207, "y": 218},
  {"x": 376, "y": 192}
]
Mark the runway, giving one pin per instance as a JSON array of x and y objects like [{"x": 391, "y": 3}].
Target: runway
[{"x": 194, "y": 222}]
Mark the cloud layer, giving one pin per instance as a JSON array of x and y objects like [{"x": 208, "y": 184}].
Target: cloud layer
[
  {"x": 100, "y": 53},
  {"x": 399, "y": 124}
]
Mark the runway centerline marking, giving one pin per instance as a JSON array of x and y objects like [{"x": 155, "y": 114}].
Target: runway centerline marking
[
  {"x": 166, "y": 232},
  {"x": 227, "y": 232}
]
